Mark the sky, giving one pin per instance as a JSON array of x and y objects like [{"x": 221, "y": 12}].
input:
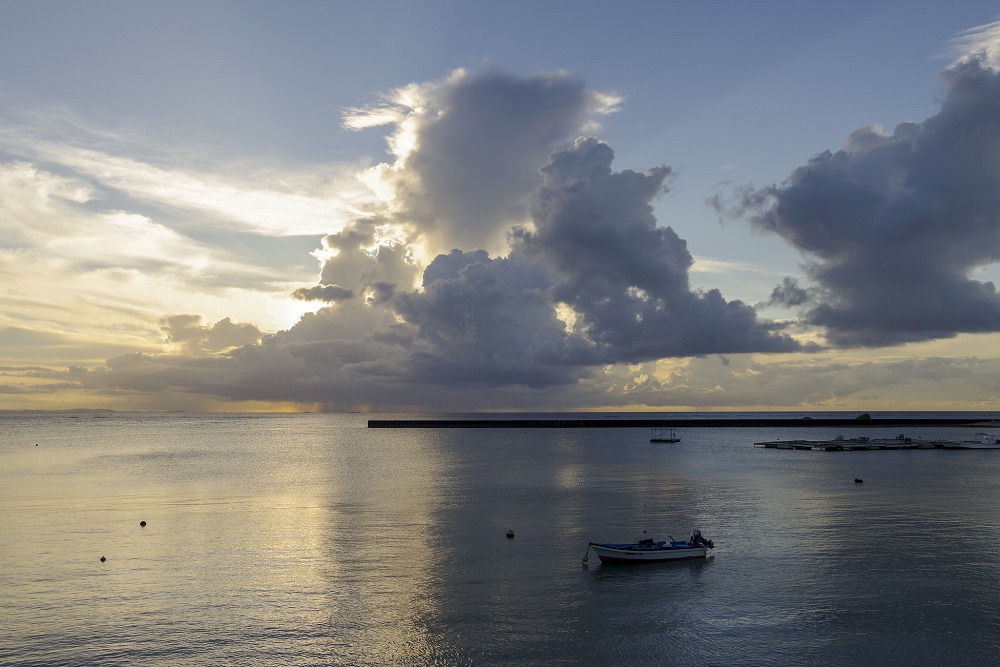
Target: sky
[{"x": 448, "y": 206}]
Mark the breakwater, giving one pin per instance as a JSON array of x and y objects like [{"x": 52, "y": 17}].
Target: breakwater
[{"x": 740, "y": 422}]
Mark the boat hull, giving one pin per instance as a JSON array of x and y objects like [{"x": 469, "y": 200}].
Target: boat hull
[{"x": 630, "y": 553}]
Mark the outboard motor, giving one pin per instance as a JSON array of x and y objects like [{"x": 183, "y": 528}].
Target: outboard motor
[{"x": 697, "y": 539}]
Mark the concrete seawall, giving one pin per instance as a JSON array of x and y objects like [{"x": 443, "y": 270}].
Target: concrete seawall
[{"x": 679, "y": 423}]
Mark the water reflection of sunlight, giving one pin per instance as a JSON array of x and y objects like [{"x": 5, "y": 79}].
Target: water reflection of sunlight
[
  {"x": 570, "y": 476},
  {"x": 376, "y": 544}
]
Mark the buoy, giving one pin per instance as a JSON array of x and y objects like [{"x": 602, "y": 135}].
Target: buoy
[
  {"x": 103, "y": 559},
  {"x": 510, "y": 533},
  {"x": 142, "y": 523}
]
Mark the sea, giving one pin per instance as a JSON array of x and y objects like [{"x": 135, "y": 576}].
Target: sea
[{"x": 311, "y": 539}]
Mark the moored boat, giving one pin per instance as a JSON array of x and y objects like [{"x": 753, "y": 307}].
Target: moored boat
[
  {"x": 663, "y": 435},
  {"x": 648, "y": 550}
]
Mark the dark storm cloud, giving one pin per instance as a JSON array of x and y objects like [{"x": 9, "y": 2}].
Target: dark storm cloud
[{"x": 893, "y": 226}]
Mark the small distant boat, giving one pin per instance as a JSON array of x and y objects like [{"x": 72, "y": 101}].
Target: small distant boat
[
  {"x": 647, "y": 550},
  {"x": 663, "y": 435}
]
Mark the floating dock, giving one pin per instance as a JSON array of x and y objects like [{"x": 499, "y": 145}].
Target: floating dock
[{"x": 841, "y": 444}]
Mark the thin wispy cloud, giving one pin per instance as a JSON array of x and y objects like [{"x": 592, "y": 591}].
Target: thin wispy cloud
[
  {"x": 119, "y": 255},
  {"x": 274, "y": 204},
  {"x": 979, "y": 43}
]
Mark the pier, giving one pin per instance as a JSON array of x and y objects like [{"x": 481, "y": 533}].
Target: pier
[{"x": 678, "y": 423}]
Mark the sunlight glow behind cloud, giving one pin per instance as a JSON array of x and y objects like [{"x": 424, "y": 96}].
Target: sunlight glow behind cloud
[{"x": 475, "y": 240}]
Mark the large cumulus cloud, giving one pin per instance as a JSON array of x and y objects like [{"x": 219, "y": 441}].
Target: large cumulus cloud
[
  {"x": 894, "y": 226},
  {"x": 423, "y": 305},
  {"x": 625, "y": 278},
  {"x": 467, "y": 150}
]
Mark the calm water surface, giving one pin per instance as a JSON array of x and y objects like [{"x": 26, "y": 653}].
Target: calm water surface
[{"x": 312, "y": 540}]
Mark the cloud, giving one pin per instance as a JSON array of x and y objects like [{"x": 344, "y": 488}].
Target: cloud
[
  {"x": 893, "y": 226},
  {"x": 244, "y": 197},
  {"x": 624, "y": 277},
  {"x": 586, "y": 277},
  {"x": 329, "y": 293},
  {"x": 818, "y": 382},
  {"x": 117, "y": 270},
  {"x": 788, "y": 294},
  {"x": 979, "y": 43},
  {"x": 467, "y": 149},
  {"x": 490, "y": 322},
  {"x": 190, "y": 336},
  {"x": 129, "y": 231}
]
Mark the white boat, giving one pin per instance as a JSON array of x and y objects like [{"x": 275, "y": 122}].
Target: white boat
[
  {"x": 648, "y": 550},
  {"x": 663, "y": 435}
]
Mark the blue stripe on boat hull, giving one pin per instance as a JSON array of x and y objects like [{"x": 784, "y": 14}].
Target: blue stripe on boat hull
[{"x": 610, "y": 560}]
